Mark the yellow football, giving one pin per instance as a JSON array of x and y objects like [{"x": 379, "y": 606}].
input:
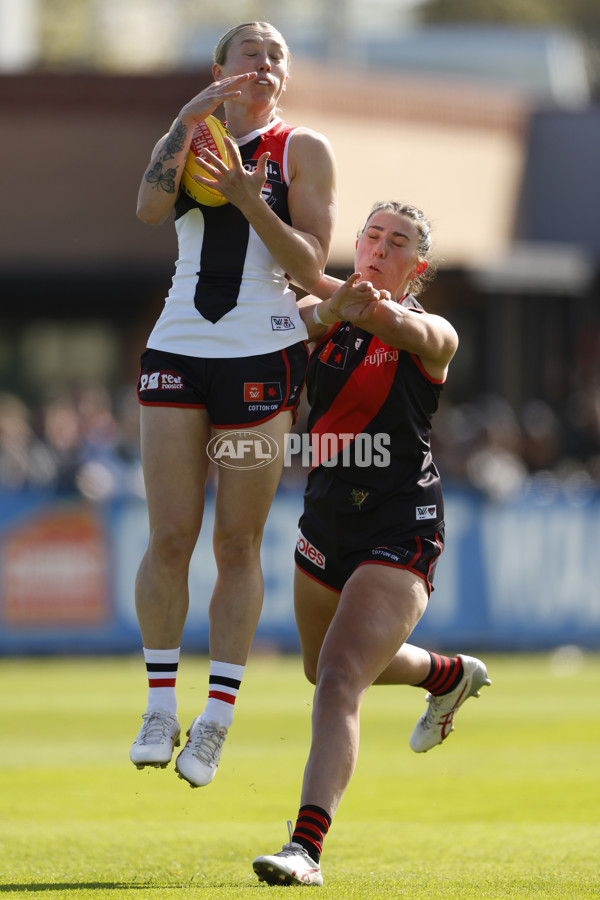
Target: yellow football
[{"x": 209, "y": 135}]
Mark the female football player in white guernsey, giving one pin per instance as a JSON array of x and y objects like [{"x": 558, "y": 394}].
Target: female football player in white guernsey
[
  {"x": 372, "y": 528},
  {"x": 228, "y": 352}
]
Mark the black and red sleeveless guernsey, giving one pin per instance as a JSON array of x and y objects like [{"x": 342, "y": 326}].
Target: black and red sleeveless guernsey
[
  {"x": 373, "y": 483},
  {"x": 229, "y": 296}
]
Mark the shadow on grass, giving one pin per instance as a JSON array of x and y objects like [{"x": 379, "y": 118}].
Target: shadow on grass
[
  {"x": 30, "y": 887},
  {"x": 80, "y": 886}
]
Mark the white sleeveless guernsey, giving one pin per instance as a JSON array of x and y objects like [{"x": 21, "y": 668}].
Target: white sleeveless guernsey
[{"x": 229, "y": 297}]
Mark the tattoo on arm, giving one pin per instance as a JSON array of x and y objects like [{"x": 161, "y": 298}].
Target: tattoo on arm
[
  {"x": 175, "y": 141},
  {"x": 161, "y": 179}
]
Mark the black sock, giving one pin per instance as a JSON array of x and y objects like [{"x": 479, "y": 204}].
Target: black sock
[
  {"x": 444, "y": 674},
  {"x": 312, "y": 825}
]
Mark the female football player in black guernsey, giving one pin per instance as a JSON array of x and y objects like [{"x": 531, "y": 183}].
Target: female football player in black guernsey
[
  {"x": 372, "y": 529},
  {"x": 229, "y": 351}
]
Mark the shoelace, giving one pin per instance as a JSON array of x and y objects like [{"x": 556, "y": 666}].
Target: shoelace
[
  {"x": 438, "y": 718},
  {"x": 435, "y": 709},
  {"x": 291, "y": 849},
  {"x": 156, "y": 728},
  {"x": 206, "y": 743}
]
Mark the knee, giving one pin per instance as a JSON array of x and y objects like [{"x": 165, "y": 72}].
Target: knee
[
  {"x": 172, "y": 543},
  {"x": 337, "y": 685},
  {"x": 237, "y": 550}
]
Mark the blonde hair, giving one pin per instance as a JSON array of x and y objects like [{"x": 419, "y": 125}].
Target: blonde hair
[
  {"x": 424, "y": 242},
  {"x": 220, "y": 52}
]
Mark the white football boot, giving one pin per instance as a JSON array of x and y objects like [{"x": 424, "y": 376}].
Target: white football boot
[
  {"x": 437, "y": 721},
  {"x": 198, "y": 761},
  {"x": 292, "y": 865},
  {"x": 156, "y": 738}
]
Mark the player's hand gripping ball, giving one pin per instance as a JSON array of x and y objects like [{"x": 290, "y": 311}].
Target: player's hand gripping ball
[{"x": 209, "y": 135}]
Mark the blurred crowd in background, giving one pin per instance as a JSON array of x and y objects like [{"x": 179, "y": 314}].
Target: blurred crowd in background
[{"x": 87, "y": 443}]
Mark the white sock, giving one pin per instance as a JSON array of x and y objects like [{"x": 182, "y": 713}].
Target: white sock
[
  {"x": 223, "y": 686},
  {"x": 161, "y": 666}
]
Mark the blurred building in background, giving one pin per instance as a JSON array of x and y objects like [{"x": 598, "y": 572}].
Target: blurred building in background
[{"x": 493, "y": 131}]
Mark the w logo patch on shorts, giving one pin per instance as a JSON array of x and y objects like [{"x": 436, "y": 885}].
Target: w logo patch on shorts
[{"x": 259, "y": 391}]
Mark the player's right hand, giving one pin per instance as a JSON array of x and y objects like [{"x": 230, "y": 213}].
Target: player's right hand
[
  {"x": 205, "y": 103},
  {"x": 355, "y": 299}
]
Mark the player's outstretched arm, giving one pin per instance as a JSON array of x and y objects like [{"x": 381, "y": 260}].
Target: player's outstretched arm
[{"x": 430, "y": 337}]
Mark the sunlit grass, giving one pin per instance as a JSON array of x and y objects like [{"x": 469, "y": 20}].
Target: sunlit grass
[{"x": 508, "y": 807}]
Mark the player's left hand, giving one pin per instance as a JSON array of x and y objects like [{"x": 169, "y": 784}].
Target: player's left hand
[{"x": 236, "y": 184}]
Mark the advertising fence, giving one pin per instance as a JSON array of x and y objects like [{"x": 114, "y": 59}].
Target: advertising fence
[{"x": 523, "y": 575}]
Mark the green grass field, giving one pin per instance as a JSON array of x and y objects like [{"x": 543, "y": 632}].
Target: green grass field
[{"x": 508, "y": 807}]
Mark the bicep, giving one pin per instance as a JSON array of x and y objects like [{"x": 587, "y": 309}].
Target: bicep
[
  {"x": 312, "y": 199},
  {"x": 428, "y": 336},
  {"x": 432, "y": 338}
]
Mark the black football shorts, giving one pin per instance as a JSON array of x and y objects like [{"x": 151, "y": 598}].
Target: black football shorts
[
  {"x": 324, "y": 559},
  {"x": 235, "y": 391}
]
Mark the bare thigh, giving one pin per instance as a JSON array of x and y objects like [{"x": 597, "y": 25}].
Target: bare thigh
[
  {"x": 245, "y": 495},
  {"x": 378, "y": 609},
  {"x": 315, "y": 606},
  {"x": 175, "y": 464}
]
